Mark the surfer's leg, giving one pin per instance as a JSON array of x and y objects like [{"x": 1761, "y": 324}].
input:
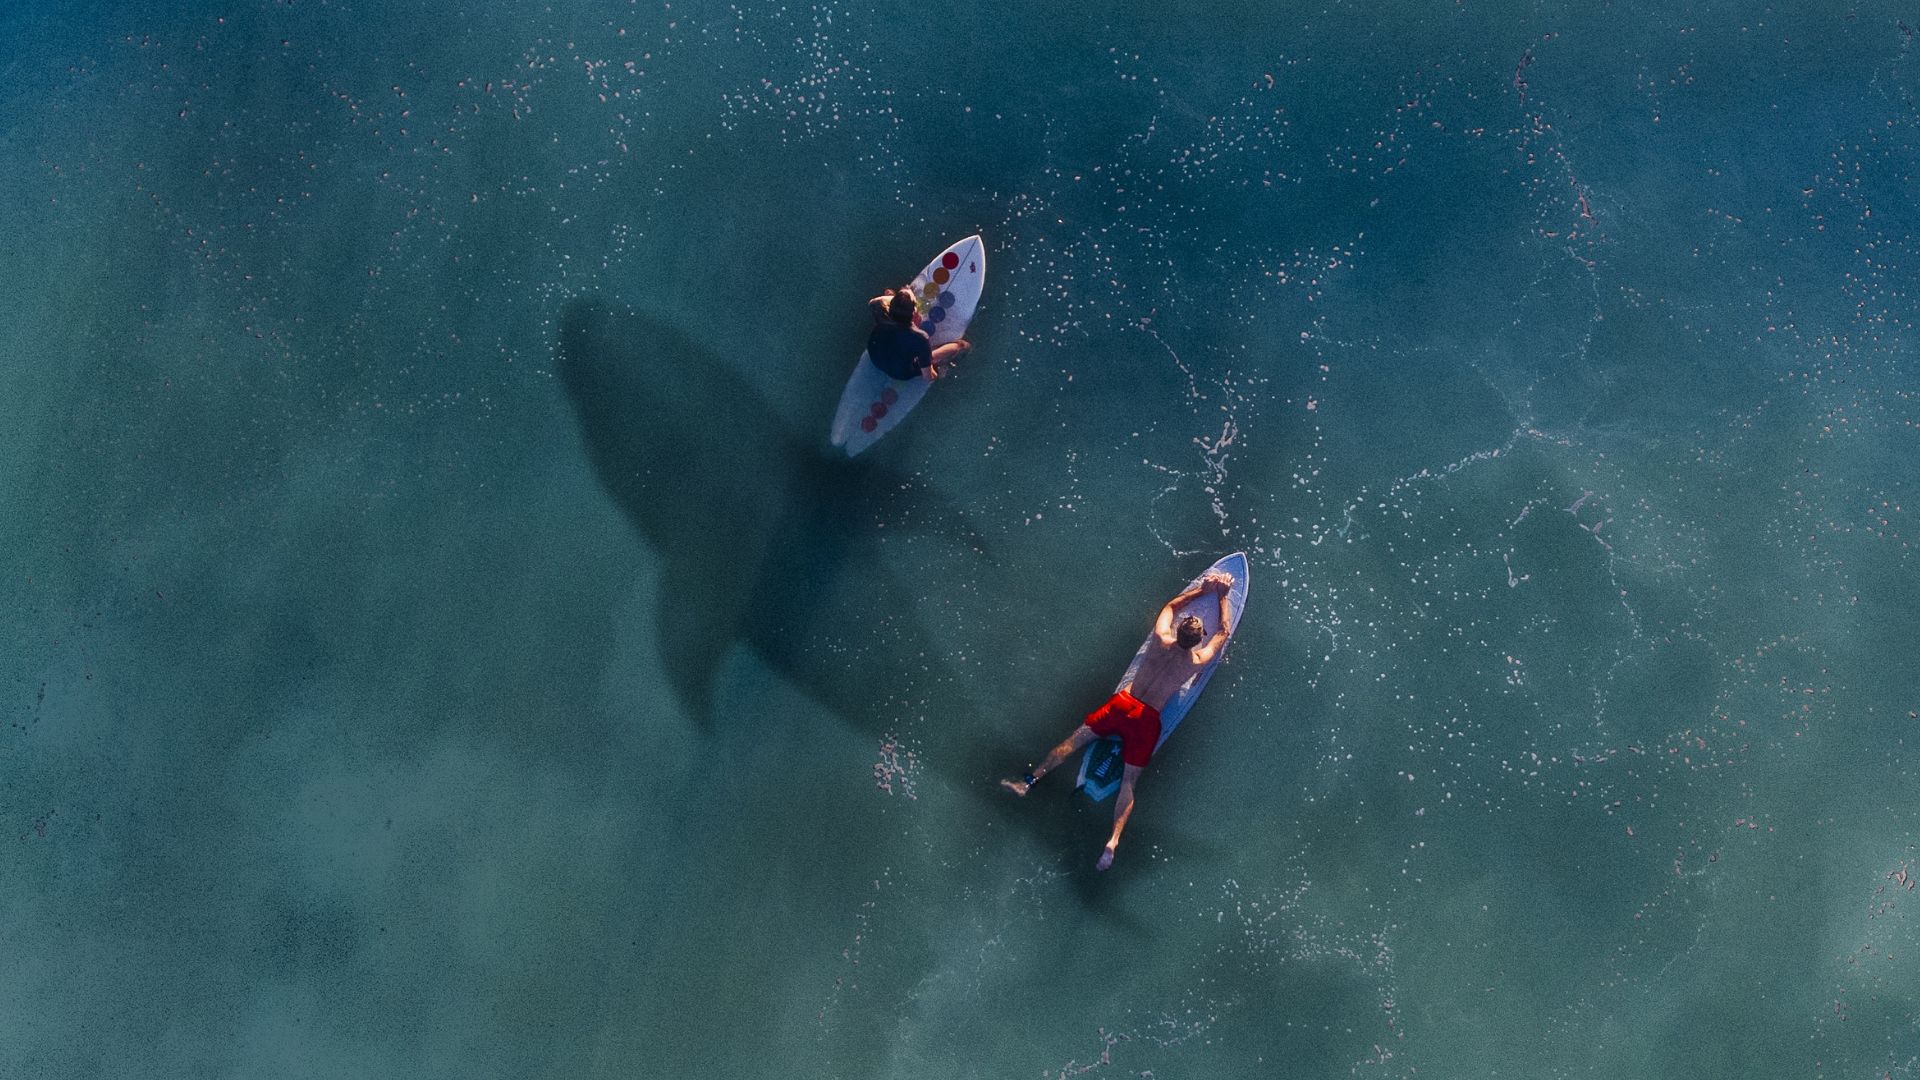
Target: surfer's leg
[
  {"x": 945, "y": 354},
  {"x": 1122, "y": 810},
  {"x": 950, "y": 350},
  {"x": 1081, "y": 736}
]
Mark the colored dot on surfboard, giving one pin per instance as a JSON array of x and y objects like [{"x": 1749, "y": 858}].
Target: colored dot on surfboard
[
  {"x": 879, "y": 409},
  {"x": 945, "y": 299},
  {"x": 935, "y": 314},
  {"x": 929, "y": 290},
  {"x": 949, "y": 260},
  {"x": 940, "y": 276},
  {"x": 889, "y": 395}
]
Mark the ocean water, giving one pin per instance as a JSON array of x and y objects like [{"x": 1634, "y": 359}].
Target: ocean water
[{"x": 438, "y": 642}]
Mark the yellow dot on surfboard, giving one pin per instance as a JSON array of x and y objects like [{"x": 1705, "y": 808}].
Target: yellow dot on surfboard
[{"x": 930, "y": 290}]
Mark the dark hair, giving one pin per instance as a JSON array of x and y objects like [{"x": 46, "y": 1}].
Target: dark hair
[
  {"x": 900, "y": 308},
  {"x": 1190, "y": 632}
]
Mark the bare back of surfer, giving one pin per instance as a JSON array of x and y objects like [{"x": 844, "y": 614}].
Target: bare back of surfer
[{"x": 1176, "y": 653}]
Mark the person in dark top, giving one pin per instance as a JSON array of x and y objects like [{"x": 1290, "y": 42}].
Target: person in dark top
[{"x": 898, "y": 346}]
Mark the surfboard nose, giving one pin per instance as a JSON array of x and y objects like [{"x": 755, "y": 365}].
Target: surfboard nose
[
  {"x": 1245, "y": 564},
  {"x": 977, "y": 253}
]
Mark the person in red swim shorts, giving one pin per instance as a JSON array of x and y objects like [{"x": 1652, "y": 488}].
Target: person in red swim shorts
[{"x": 1133, "y": 712}]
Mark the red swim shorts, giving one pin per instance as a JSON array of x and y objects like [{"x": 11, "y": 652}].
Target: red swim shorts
[{"x": 1136, "y": 722}]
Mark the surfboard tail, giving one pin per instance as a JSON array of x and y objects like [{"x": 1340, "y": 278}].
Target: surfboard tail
[{"x": 1101, "y": 769}]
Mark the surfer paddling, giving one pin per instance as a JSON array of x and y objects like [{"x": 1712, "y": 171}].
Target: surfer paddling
[
  {"x": 898, "y": 346},
  {"x": 1174, "y": 654}
]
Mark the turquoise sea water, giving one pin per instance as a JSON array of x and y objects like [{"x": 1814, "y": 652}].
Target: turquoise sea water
[{"x": 438, "y": 645}]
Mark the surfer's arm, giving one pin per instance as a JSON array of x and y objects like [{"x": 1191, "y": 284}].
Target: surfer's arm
[
  {"x": 1206, "y": 652},
  {"x": 1122, "y": 810},
  {"x": 1163, "y": 626}
]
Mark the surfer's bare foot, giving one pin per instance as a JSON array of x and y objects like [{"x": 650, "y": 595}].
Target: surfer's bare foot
[
  {"x": 1106, "y": 859},
  {"x": 1018, "y": 787}
]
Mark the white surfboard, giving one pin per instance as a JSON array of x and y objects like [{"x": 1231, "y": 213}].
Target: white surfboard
[
  {"x": 945, "y": 295},
  {"x": 1101, "y": 767}
]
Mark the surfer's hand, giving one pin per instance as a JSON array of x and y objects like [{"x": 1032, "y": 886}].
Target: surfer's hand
[{"x": 1106, "y": 859}]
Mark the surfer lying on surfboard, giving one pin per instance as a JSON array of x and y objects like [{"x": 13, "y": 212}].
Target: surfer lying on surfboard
[
  {"x": 898, "y": 346},
  {"x": 1133, "y": 712}
]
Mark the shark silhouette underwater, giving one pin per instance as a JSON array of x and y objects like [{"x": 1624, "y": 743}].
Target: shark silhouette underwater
[{"x": 773, "y": 541}]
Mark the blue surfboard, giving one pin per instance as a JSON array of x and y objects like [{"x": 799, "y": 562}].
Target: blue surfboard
[{"x": 1100, "y": 766}]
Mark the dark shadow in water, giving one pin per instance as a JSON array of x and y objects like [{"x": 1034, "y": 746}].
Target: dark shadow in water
[
  {"x": 769, "y": 543},
  {"x": 754, "y": 524}
]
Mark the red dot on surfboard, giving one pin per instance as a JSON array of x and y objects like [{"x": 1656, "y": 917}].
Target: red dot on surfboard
[
  {"x": 949, "y": 260},
  {"x": 867, "y": 423},
  {"x": 889, "y": 395},
  {"x": 879, "y": 409}
]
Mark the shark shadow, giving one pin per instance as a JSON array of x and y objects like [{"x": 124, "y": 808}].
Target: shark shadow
[
  {"x": 764, "y": 539},
  {"x": 774, "y": 545}
]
